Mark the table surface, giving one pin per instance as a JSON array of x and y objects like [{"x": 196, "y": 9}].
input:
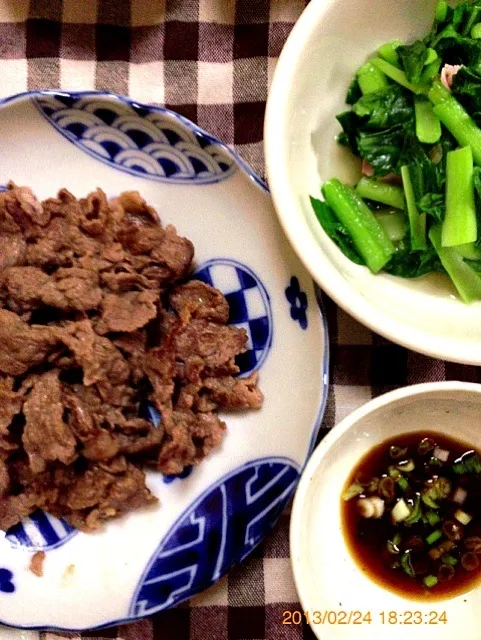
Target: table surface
[{"x": 211, "y": 60}]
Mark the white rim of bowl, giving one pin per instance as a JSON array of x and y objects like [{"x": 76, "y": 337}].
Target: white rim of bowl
[
  {"x": 298, "y": 232},
  {"x": 296, "y": 526}
]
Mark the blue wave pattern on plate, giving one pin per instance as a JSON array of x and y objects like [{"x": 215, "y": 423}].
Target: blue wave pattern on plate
[
  {"x": 249, "y": 304},
  {"x": 40, "y": 531},
  {"x": 147, "y": 142},
  {"x": 221, "y": 528}
]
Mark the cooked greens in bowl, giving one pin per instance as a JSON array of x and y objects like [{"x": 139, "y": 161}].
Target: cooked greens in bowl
[{"x": 414, "y": 120}]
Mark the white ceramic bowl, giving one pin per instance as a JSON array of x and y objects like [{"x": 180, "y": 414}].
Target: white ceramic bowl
[
  {"x": 327, "y": 45},
  {"x": 326, "y": 576}
]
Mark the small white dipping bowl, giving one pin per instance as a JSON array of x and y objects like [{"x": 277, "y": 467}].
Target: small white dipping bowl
[
  {"x": 328, "y": 43},
  {"x": 327, "y": 578}
]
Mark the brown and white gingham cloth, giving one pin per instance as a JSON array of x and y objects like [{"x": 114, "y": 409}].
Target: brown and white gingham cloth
[{"x": 211, "y": 60}]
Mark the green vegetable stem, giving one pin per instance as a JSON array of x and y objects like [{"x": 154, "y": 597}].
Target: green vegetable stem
[
  {"x": 388, "y": 52},
  {"x": 371, "y": 79},
  {"x": 465, "y": 279},
  {"x": 441, "y": 10},
  {"x": 460, "y": 225},
  {"x": 367, "y": 234},
  {"x": 428, "y": 125},
  {"x": 397, "y": 75},
  {"x": 417, "y": 221},
  {"x": 476, "y": 31},
  {"x": 455, "y": 118},
  {"x": 389, "y": 194}
]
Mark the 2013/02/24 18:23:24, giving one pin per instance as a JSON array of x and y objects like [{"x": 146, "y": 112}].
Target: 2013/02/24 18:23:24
[{"x": 343, "y": 617}]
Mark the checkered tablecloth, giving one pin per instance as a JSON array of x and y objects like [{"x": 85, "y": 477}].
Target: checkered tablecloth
[{"x": 211, "y": 60}]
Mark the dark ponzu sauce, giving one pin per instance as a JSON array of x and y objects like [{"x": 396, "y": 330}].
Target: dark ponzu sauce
[{"x": 411, "y": 515}]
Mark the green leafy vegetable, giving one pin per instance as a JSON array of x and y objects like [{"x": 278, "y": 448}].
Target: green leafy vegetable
[
  {"x": 335, "y": 230},
  {"x": 407, "y": 263},
  {"x": 413, "y": 58},
  {"x": 403, "y": 121},
  {"x": 384, "y": 108},
  {"x": 397, "y": 75},
  {"x": 354, "y": 92},
  {"x": 382, "y": 149},
  {"x": 433, "y": 204},
  {"x": 368, "y": 236}
]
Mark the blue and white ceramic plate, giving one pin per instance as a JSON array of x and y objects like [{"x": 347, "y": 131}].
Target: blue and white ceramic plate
[{"x": 211, "y": 518}]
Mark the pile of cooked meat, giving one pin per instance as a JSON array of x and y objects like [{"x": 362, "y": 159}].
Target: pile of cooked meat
[{"x": 98, "y": 321}]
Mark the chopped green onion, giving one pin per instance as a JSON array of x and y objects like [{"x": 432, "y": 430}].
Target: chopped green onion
[
  {"x": 388, "y": 52},
  {"x": 406, "y": 466},
  {"x": 462, "y": 517},
  {"x": 417, "y": 221},
  {"x": 389, "y": 194},
  {"x": 428, "y": 500},
  {"x": 387, "y": 489},
  {"x": 432, "y": 518},
  {"x": 426, "y": 446},
  {"x": 354, "y": 490},
  {"x": 439, "y": 489},
  {"x": 393, "y": 545},
  {"x": 406, "y": 564},
  {"x": 441, "y": 549},
  {"x": 401, "y": 511},
  {"x": 467, "y": 463},
  {"x": 434, "y": 536},
  {"x": 430, "y": 581},
  {"x": 393, "y": 472},
  {"x": 451, "y": 560},
  {"x": 442, "y": 487},
  {"x": 435, "y": 462},
  {"x": 416, "y": 513},
  {"x": 402, "y": 483},
  {"x": 473, "y": 543}
]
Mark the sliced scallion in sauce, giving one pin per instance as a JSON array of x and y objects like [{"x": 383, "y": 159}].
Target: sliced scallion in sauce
[{"x": 414, "y": 521}]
